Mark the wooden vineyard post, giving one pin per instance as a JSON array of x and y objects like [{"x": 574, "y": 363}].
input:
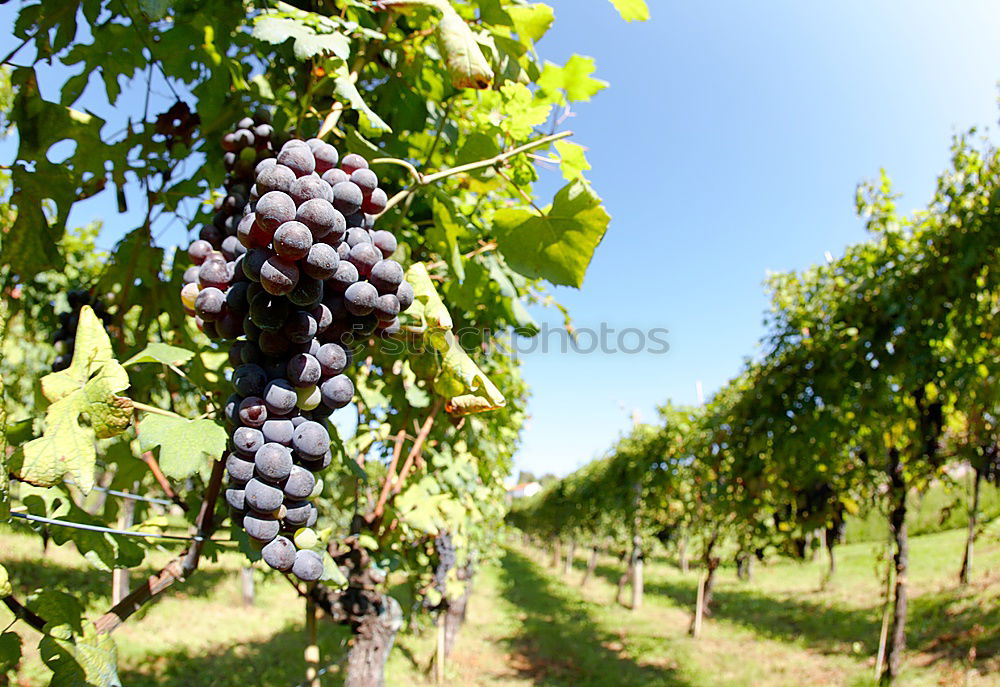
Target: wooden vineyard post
[
  {"x": 439, "y": 656},
  {"x": 884, "y": 633},
  {"x": 698, "y": 608},
  {"x": 591, "y": 566},
  {"x": 312, "y": 647},
  {"x": 570, "y": 555},
  {"x": 119, "y": 576},
  {"x": 247, "y": 585}
]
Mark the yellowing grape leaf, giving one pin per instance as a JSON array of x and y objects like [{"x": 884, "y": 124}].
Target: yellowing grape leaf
[
  {"x": 85, "y": 406},
  {"x": 5, "y": 587},
  {"x": 466, "y": 63},
  {"x": 458, "y": 379},
  {"x": 427, "y": 304},
  {"x": 458, "y": 371}
]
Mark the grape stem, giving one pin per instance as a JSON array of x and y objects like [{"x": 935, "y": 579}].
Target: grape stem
[
  {"x": 418, "y": 445},
  {"x": 391, "y": 474},
  {"x": 420, "y": 180},
  {"x": 156, "y": 411},
  {"x": 520, "y": 192},
  {"x": 161, "y": 479},
  {"x": 485, "y": 247}
]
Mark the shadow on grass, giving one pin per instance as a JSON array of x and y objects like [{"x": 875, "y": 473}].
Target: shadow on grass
[
  {"x": 945, "y": 625},
  {"x": 276, "y": 662},
  {"x": 559, "y": 642},
  {"x": 950, "y": 624}
]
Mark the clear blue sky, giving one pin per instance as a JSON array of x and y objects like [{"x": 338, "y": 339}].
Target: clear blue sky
[{"x": 729, "y": 143}]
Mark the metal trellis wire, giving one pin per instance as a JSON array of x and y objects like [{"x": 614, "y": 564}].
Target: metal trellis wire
[{"x": 111, "y": 530}]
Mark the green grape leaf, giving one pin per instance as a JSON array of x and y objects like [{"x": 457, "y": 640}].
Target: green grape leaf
[
  {"x": 420, "y": 509},
  {"x": 185, "y": 445},
  {"x": 345, "y": 90},
  {"x": 574, "y": 79},
  {"x": 19, "y": 432},
  {"x": 277, "y": 30},
  {"x": 103, "y": 551},
  {"x": 479, "y": 146},
  {"x": 81, "y": 659},
  {"x": 307, "y": 43},
  {"x": 355, "y": 469},
  {"x": 356, "y": 143},
  {"x": 516, "y": 311},
  {"x": 160, "y": 353},
  {"x": 522, "y": 111},
  {"x": 492, "y": 12},
  {"x": 5, "y": 587},
  {"x": 308, "y": 47},
  {"x": 559, "y": 245},
  {"x": 207, "y": 367},
  {"x": 467, "y": 65},
  {"x": 445, "y": 235},
  {"x": 155, "y": 9},
  {"x": 10, "y": 651},
  {"x": 417, "y": 397},
  {"x": 531, "y": 22},
  {"x": 31, "y": 243},
  {"x": 60, "y": 609},
  {"x": 573, "y": 162},
  {"x": 331, "y": 572},
  {"x": 632, "y": 10},
  {"x": 88, "y": 389}
]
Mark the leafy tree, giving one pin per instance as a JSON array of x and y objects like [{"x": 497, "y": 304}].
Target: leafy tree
[{"x": 446, "y": 100}]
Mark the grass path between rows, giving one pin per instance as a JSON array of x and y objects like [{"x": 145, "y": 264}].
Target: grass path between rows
[
  {"x": 528, "y": 624},
  {"x": 531, "y": 625}
]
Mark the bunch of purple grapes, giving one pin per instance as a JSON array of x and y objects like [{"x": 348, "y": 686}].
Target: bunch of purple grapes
[
  {"x": 445, "y": 549},
  {"x": 245, "y": 147},
  {"x": 311, "y": 278}
]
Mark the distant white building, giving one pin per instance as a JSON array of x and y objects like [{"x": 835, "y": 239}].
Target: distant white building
[{"x": 524, "y": 489}]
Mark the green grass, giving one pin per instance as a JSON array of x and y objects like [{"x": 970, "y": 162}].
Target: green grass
[
  {"x": 942, "y": 507},
  {"x": 530, "y": 625}
]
